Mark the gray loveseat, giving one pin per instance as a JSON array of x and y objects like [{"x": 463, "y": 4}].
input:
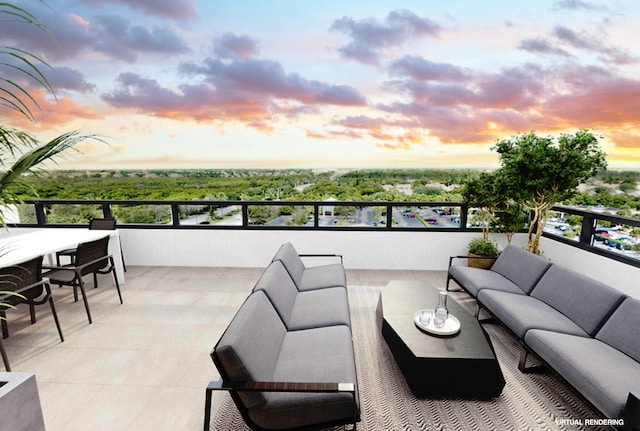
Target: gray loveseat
[
  {"x": 287, "y": 356},
  {"x": 583, "y": 329}
]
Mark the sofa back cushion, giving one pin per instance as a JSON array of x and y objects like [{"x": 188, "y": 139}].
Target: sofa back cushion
[
  {"x": 288, "y": 255},
  {"x": 279, "y": 288},
  {"x": 621, "y": 329},
  {"x": 585, "y": 301},
  {"x": 249, "y": 348},
  {"x": 521, "y": 267}
]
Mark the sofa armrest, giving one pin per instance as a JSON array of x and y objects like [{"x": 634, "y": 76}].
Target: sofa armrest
[
  {"x": 631, "y": 413},
  {"x": 467, "y": 257},
  {"x": 222, "y": 385},
  {"x": 323, "y": 255}
]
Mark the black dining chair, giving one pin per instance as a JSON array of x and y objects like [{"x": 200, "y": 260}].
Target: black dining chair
[
  {"x": 23, "y": 284},
  {"x": 108, "y": 223},
  {"x": 91, "y": 258}
]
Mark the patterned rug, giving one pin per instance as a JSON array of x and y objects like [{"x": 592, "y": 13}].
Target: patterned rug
[{"x": 533, "y": 401}]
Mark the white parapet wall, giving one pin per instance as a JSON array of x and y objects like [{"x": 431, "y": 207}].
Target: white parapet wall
[
  {"x": 374, "y": 250},
  {"x": 401, "y": 250}
]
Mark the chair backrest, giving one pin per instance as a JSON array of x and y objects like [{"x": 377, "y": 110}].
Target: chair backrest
[
  {"x": 102, "y": 224},
  {"x": 17, "y": 277},
  {"x": 90, "y": 251}
]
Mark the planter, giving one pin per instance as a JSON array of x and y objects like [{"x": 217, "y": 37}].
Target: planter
[
  {"x": 481, "y": 262},
  {"x": 19, "y": 403}
]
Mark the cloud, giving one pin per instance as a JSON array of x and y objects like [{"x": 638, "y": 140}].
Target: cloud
[
  {"x": 230, "y": 46},
  {"x": 370, "y": 36},
  {"x": 542, "y": 46},
  {"x": 119, "y": 39},
  {"x": 586, "y": 42},
  {"x": 577, "y": 5},
  {"x": 74, "y": 36},
  {"x": 252, "y": 91},
  {"x": 483, "y": 106},
  {"x": 425, "y": 70},
  {"x": 173, "y": 9},
  {"x": 65, "y": 78},
  {"x": 52, "y": 113}
]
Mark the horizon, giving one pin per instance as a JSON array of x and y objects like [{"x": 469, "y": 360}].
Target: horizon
[{"x": 191, "y": 84}]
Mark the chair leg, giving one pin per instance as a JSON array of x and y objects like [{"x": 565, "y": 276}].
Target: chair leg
[
  {"x": 84, "y": 298},
  {"x": 5, "y": 358},
  {"x": 32, "y": 313},
  {"x": 207, "y": 408},
  {"x": 115, "y": 280},
  {"x": 5, "y": 326},
  {"x": 55, "y": 314},
  {"x": 95, "y": 280}
]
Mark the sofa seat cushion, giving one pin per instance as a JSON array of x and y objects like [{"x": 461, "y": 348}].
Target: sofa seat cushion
[
  {"x": 475, "y": 279},
  {"x": 322, "y": 276},
  {"x": 621, "y": 329},
  {"x": 318, "y": 308},
  {"x": 604, "y": 375},
  {"x": 584, "y": 300},
  {"x": 521, "y": 267},
  {"x": 521, "y": 313},
  {"x": 313, "y": 355}
]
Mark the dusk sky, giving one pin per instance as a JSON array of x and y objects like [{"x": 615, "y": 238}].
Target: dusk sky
[{"x": 331, "y": 84}]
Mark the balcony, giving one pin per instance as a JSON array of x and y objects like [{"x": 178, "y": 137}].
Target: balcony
[{"x": 144, "y": 365}]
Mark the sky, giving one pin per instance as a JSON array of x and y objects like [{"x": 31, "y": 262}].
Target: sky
[{"x": 332, "y": 84}]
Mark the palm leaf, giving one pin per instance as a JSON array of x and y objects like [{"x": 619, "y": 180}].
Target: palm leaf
[{"x": 22, "y": 61}]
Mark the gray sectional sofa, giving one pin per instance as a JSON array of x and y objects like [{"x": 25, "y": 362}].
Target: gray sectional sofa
[
  {"x": 584, "y": 330},
  {"x": 287, "y": 356}
]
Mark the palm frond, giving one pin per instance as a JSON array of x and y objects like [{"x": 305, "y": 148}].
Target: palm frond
[{"x": 24, "y": 62}]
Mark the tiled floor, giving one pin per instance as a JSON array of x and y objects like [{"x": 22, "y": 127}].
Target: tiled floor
[{"x": 143, "y": 365}]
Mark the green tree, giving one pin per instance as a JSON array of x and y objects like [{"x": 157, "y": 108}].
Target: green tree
[
  {"x": 542, "y": 171},
  {"x": 485, "y": 193}
]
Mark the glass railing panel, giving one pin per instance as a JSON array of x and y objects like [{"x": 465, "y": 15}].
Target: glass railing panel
[
  {"x": 617, "y": 238},
  {"x": 280, "y": 215},
  {"x": 352, "y": 216},
  {"x": 72, "y": 213},
  {"x": 201, "y": 214},
  {"x": 142, "y": 214},
  {"x": 424, "y": 216},
  {"x": 565, "y": 225},
  {"x": 26, "y": 214}
]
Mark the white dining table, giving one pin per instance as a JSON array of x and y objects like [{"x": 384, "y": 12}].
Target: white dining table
[{"x": 19, "y": 246}]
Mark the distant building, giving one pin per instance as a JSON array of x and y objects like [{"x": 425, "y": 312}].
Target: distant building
[{"x": 327, "y": 210}]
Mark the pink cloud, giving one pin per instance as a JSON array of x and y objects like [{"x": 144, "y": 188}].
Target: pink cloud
[
  {"x": 174, "y": 9},
  {"x": 370, "y": 36}
]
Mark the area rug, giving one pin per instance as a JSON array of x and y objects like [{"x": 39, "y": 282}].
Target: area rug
[{"x": 532, "y": 401}]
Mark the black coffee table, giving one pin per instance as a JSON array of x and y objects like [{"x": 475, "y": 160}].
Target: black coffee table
[{"x": 462, "y": 365}]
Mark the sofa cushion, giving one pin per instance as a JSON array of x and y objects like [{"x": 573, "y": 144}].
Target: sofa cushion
[
  {"x": 313, "y": 355},
  {"x": 521, "y": 267},
  {"x": 318, "y": 308},
  {"x": 563, "y": 289},
  {"x": 288, "y": 255},
  {"x": 321, "y": 276},
  {"x": 521, "y": 313},
  {"x": 313, "y": 277},
  {"x": 249, "y": 348},
  {"x": 277, "y": 284},
  {"x": 602, "y": 374},
  {"x": 621, "y": 329},
  {"x": 475, "y": 279},
  {"x": 303, "y": 310}
]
